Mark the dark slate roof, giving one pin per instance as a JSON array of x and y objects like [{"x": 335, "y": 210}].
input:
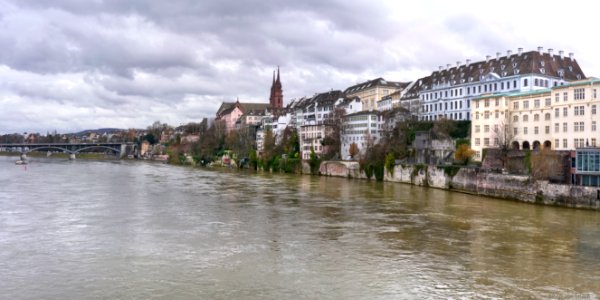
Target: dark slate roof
[
  {"x": 228, "y": 107},
  {"x": 532, "y": 62},
  {"x": 375, "y": 82},
  {"x": 419, "y": 85},
  {"x": 321, "y": 99}
]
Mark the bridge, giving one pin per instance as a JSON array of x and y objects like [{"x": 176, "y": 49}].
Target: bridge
[{"x": 70, "y": 148}]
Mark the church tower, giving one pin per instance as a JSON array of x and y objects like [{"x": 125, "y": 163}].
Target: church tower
[{"x": 276, "y": 98}]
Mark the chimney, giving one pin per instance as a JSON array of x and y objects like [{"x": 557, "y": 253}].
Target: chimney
[
  {"x": 468, "y": 62},
  {"x": 487, "y": 58},
  {"x": 520, "y": 51},
  {"x": 448, "y": 66},
  {"x": 571, "y": 55},
  {"x": 497, "y": 55},
  {"x": 550, "y": 51},
  {"x": 561, "y": 53},
  {"x": 508, "y": 53},
  {"x": 541, "y": 50}
]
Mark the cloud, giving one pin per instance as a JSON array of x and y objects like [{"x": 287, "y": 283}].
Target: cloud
[{"x": 86, "y": 64}]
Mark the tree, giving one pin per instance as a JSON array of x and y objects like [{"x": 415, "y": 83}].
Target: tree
[
  {"x": 353, "y": 151},
  {"x": 332, "y": 140},
  {"x": 463, "y": 154},
  {"x": 504, "y": 136},
  {"x": 442, "y": 128},
  {"x": 314, "y": 162}
]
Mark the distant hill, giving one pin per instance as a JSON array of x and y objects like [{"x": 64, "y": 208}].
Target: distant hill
[{"x": 98, "y": 131}]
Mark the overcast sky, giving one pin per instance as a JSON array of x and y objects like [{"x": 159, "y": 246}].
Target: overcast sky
[{"x": 68, "y": 65}]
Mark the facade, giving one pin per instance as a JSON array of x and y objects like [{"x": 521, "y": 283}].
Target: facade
[
  {"x": 587, "y": 167},
  {"x": 447, "y": 93},
  {"x": 390, "y": 101},
  {"x": 372, "y": 91},
  {"x": 559, "y": 118},
  {"x": 230, "y": 112},
  {"x": 363, "y": 129},
  {"x": 311, "y": 136}
]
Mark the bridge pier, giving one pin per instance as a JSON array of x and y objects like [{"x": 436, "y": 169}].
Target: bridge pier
[{"x": 72, "y": 156}]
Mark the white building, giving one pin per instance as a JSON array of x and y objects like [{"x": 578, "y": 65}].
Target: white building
[
  {"x": 361, "y": 128},
  {"x": 447, "y": 93},
  {"x": 311, "y": 136}
]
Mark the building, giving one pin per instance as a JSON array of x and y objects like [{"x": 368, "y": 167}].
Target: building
[
  {"x": 564, "y": 117},
  {"x": 447, "y": 92},
  {"x": 311, "y": 137},
  {"x": 587, "y": 167},
  {"x": 276, "y": 97},
  {"x": 361, "y": 128},
  {"x": 372, "y": 91},
  {"x": 230, "y": 112}
]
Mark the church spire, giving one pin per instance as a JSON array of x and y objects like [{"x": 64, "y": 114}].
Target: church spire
[
  {"x": 278, "y": 75},
  {"x": 276, "y": 97}
]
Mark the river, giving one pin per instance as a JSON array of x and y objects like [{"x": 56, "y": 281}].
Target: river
[{"x": 126, "y": 229}]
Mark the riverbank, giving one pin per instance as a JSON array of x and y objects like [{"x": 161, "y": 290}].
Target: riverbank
[{"x": 477, "y": 182}]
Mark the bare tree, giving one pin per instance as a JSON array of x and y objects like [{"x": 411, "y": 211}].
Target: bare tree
[{"x": 504, "y": 136}]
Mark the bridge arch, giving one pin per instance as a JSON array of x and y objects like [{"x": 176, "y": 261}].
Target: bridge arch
[{"x": 118, "y": 151}]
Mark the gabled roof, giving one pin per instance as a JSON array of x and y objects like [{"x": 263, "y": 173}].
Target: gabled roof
[
  {"x": 532, "y": 62},
  {"x": 228, "y": 107},
  {"x": 374, "y": 83}
]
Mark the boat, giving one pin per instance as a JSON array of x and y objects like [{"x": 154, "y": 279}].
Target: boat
[{"x": 21, "y": 162}]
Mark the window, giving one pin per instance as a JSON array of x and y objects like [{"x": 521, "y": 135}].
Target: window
[
  {"x": 565, "y": 112},
  {"x": 497, "y": 101},
  {"x": 486, "y": 102},
  {"x": 515, "y": 131},
  {"x": 593, "y": 125},
  {"x": 515, "y": 118},
  {"x": 548, "y": 102},
  {"x": 565, "y": 128},
  {"x": 556, "y": 144},
  {"x": 497, "y": 114},
  {"x": 556, "y": 97},
  {"x": 526, "y": 118},
  {"x": 593, "y": 109},
  {"x": 579, "y": 110},
  {"x": 536, "y": 103},
  {"x": 495, "y": 141},
  {"x": 536, "y": 117},
  {"x": 536, "y": 130},
  {"x": 477, "y": 141},
  {"x": 526, "y": 104},
  {"x": 547, "y": 129},
  {"x": 565, "y": 143},
  {"x": 486, "y": 128},
  {"x": 477, "y": 128},
  {"x": 516, "y": 105},
  {"x": 525, "y": 82},
  {"x": 556, "y": 127},
  {"x": 556, "y": 112},
  {"x": 593, "y": 142},
  {"x": 579, "y": 94},
  {"x": 594, "y": 95},
  {"x": 524, "y": 130},
  {"x": 565, "y": 96},
  {"x": 547, "y": 117},
  {"x": 487, "y": 114},
  {"x": 486, "y": 141}
]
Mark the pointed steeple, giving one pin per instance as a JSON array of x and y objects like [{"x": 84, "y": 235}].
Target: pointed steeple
[
  {"x": 273, "y": 76},
  {"x": 278, "y": 75}
]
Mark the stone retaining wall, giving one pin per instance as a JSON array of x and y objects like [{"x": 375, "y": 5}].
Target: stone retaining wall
[{"x": 478, "y": 182}]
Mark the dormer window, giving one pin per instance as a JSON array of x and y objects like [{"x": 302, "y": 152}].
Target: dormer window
[
  {"x": 571, "y": 68},
  {"x": 470, "y": 79},
  {"x": 492, "y": 69},
  {"x": 516, "y": 71},
  {"x": 578, "y": 76},
  {"x": 504, "y": 73},
  {"x": 542, "y": 70},
  {"x": 502, "y": 67},
  {"x": 542, "y": 63},
  {"x": 514, "y": 65},
  {"x": 480, "y": 71}
]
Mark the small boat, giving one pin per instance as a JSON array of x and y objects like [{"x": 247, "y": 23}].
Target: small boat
[{"x": 21, "y": 162}]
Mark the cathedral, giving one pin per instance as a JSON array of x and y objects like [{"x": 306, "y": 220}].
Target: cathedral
[{"x": 276, "y": 98}]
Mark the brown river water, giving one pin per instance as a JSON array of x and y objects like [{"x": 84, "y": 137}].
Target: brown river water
[{"x": 121, "y": 229}]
